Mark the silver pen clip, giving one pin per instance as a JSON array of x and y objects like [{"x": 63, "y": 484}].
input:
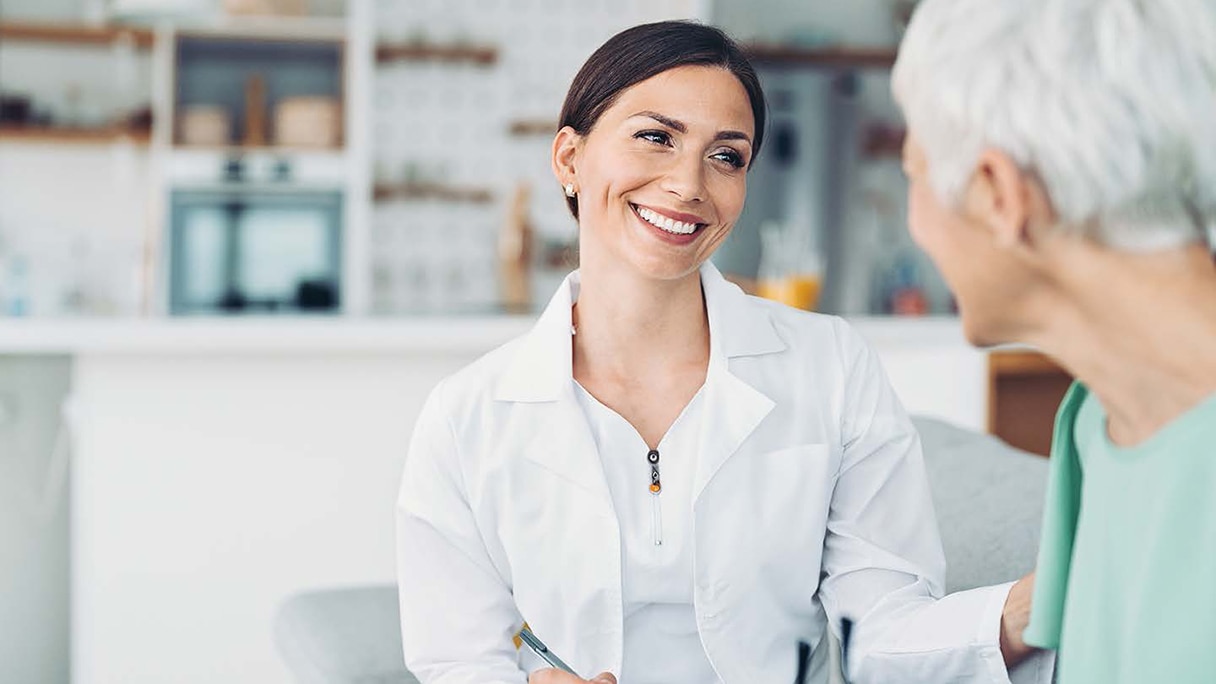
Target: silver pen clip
[{"x": 543, "y": 651}]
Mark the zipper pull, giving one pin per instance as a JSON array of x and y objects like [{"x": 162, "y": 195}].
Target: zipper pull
[{"x": 656, "y": 488}]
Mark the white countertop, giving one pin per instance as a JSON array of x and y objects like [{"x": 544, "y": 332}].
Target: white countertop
[
  {"x": 457, "y": 334},
  {"x": 321, "y": 335}
]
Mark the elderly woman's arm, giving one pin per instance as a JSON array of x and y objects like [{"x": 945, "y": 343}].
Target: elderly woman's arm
[{"x": 883, "y": 561}]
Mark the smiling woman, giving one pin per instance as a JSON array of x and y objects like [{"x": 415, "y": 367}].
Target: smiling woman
[
  {"x": 636, "y": 54},
  {"x": 660, "y": 178},
  {"x": 668, "y": 480},
  {"x": 659, "y": 143}
]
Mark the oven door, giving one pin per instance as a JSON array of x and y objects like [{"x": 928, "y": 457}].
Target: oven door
[{"x": 255, "y": 251}]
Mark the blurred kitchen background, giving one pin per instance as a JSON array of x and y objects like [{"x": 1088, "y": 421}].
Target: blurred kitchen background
[
  {"x": 187, "y": 157},
  {"x": 241, "y": 239}
]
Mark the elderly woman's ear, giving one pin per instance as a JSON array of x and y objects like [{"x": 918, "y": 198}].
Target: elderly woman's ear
[{"x": 1005, "y": 200}]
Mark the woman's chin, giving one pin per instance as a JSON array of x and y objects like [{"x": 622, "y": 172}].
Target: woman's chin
[{"x": 662, "y": 266}]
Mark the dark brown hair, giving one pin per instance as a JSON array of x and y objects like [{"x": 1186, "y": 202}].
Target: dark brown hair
[{"x": 636, "y": 54}]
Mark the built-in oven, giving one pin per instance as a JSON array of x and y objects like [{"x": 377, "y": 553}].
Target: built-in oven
[
  {"x": 255, "y": 250},
  {"x": 261, "y": 237}
]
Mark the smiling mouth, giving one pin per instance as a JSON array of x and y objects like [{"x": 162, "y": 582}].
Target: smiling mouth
[{"x": 664, "y": 223}]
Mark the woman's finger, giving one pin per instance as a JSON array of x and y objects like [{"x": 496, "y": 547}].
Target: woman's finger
[{"x": 551, "y": 675}]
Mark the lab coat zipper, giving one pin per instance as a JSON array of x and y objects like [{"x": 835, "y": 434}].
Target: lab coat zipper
[{"x": 656, "y": 488}]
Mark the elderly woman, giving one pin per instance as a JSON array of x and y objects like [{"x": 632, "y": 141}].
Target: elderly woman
[{"x": 1062, "y": 166}]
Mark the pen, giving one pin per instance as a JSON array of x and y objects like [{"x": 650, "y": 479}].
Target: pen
[
  {"x": 543, "y": 651},
  {"x": 846, "y": 631}
]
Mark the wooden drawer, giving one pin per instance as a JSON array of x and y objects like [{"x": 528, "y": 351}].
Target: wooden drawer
[{"x": 1024, "y": 390}]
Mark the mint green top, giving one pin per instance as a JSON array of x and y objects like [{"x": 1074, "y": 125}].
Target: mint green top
[{"x": 1126, "y": 582}]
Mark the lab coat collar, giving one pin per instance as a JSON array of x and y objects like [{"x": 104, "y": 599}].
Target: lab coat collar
[
  {"x": 541, "y": 375},
  {"x": 542, "y": 367}
]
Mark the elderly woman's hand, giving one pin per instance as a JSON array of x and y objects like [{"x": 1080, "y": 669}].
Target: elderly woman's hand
[
  {"x": 555, "y": 676},
  {"x": 1014, "y": 619}
]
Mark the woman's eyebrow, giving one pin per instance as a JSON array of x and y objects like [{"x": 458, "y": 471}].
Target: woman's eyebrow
[
  {"x": 681, "y": 127},
  {"x": 733, "y": 135},
  {"x": 665, "y": 120}
]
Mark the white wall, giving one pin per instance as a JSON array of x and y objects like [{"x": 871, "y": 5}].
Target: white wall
[
  {"x": 33, "y": 523},
  {"x": 945, "y": 382}
]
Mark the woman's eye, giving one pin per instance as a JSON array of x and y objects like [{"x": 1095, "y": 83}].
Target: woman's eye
[
  {"x": 730, "y": 157},
  {"x": 657, "y": 137}
]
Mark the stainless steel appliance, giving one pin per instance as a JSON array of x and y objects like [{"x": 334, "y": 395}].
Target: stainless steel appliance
[{"x": 259, "y": 249}]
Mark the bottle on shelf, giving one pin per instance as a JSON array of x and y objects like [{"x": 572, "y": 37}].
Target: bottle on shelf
[
  {"x": 515, "y": 254},
  {"x": 255, "y": 111},
  {"x": 16, "y": 286}
]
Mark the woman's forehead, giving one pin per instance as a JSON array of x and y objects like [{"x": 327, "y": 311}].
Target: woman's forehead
[{"x": 694, "y": 95}]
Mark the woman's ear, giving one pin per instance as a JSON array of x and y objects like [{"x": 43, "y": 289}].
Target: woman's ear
[
  {"x": 999, "y": 199},
  {"x": 565, "y": 149}
]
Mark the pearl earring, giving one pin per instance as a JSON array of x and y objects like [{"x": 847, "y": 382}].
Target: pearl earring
[{"x": 570, "y": 190}]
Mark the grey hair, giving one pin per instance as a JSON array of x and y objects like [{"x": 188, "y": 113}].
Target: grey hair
[{"x": 1111, "y": 104}]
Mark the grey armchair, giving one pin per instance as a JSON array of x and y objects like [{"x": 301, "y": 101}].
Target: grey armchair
[
  {"x": 988, "y": 497},
  {"x": 343, "y": 636}
]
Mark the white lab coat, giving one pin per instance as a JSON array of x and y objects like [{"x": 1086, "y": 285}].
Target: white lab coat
[{"x": 810, "y": 503}]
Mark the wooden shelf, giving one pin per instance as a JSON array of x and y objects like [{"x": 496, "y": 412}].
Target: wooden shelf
[
  {"x": 66, "y": 135},
  {"x": 272, "y": 29},
  {"x": 74, "y": 34},
  {"x": 237, "y": 149},
  {"x": 827, "y": 57},
  {"x": 476, "y": 54},
  {"x": 527, "y": 127},
  {"x": 383, "y": 192}
]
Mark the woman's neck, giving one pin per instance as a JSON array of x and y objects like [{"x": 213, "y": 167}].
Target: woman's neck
[
  {"x": 632, "y": 326},
  {"x": 1138, "y": 330}
]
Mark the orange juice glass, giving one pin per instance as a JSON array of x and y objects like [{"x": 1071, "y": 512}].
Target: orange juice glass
[{"x": 800, "y": 290}]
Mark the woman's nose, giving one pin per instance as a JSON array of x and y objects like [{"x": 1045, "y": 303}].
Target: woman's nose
[{"x": 685, "y": 178}]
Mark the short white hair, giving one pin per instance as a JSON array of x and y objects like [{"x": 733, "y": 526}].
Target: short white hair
[{"x": 1111, "y": 104}]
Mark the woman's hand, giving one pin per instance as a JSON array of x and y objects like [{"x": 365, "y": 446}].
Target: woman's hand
[
  {"x": 1014, "y": 618},
  {"x": 554, "y": 676}
]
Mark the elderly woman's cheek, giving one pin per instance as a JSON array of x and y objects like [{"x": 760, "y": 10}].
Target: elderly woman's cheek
[{"x": 920, "y": 217}]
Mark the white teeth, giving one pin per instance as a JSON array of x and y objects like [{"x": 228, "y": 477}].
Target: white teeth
[{"x": 667, "y": 224}]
